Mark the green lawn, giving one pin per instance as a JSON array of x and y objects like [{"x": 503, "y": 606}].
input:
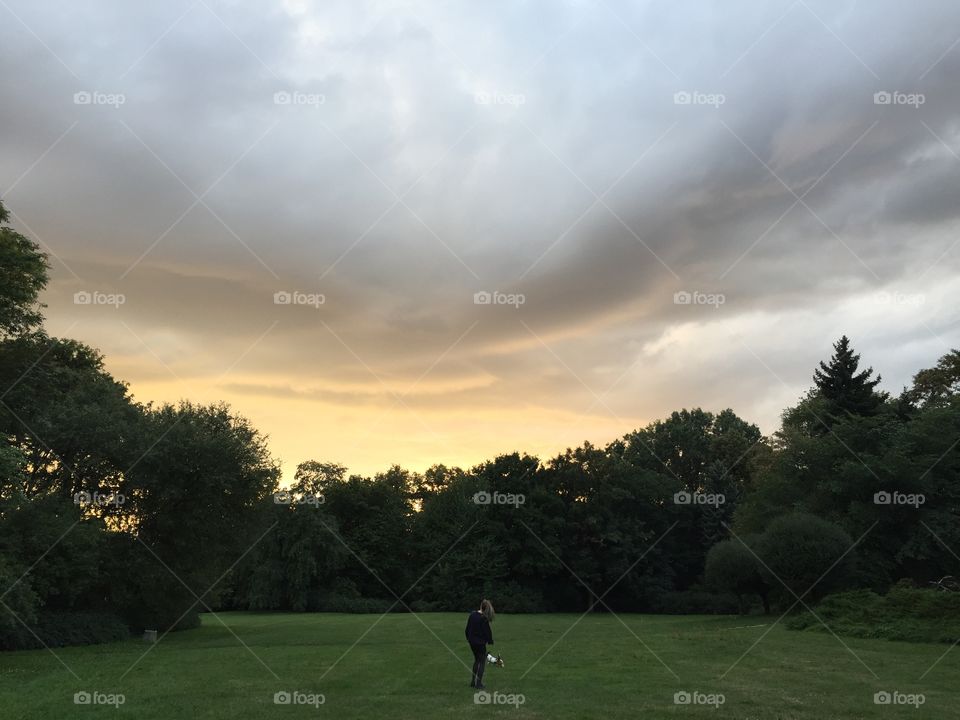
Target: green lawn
[{"x": 601, "y": 668}]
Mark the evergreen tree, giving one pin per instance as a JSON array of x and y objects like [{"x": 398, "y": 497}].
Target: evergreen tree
[{"x": 848, "y": 391}]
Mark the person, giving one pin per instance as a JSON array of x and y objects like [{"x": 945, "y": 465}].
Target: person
[{"x": 479, "y": 635}]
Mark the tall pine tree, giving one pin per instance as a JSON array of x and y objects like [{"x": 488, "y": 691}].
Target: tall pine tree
[{"x": 848, "y": 391}]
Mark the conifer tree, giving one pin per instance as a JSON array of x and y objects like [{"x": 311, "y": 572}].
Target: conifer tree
[{"x": 847, "y": 390}]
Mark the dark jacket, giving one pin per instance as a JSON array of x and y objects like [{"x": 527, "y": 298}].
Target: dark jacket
[{"x": 478, "y": 629}]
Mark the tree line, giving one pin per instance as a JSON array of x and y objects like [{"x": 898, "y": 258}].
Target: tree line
[{"x": 117, "y": 515}]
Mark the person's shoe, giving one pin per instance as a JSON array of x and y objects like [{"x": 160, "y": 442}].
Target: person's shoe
[{"x": 480, "y": 687}]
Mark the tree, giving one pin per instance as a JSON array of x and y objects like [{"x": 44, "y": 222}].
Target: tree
[
  {"x": 453, "y": 552},
  {"x": 697, "y": 452},
  {"x": 73, "y": 422},
  {"x": 733, "y": 567},
  {"x": 23, "y": 274},
  {"x": 804, "y": 557},
  {"x": 194, "y": 494},
  {"x": 847, "y": 391},
  {"x": 934, "y": 387},
  {"x": 615, "y": 515},
  {"x": 296, "y": 562},
  {"x": 373, "y": 518}
]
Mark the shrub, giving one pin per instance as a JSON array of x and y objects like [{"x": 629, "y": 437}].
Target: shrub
[
  {"x": 807, "y": 554},
  {"x": 732, "y": 568},
  {"x": 65, "y": 628},
  {"x": 905, "y": 614}
]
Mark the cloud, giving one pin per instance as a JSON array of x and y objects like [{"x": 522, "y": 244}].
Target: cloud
[{"x": 398, "y": 157}]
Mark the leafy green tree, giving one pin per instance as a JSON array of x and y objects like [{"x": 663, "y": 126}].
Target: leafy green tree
[
  {"x": 23, "y": 274},
  {"x": 373, "y": 518},
  {"x": 453, "y": 552},
  {"x": 697, "y": 453},
  {"x": 917, "y": 540},
  {"x": 936, "y": 386},
  {"x": 527, "y": 536},
  {"x": 613, "y": 519},
  {"x": 296, "y": 562},
  {"x": 64, "y": 550},
  {"x": 73, "y": 422},
  {"x": 194, "y": 493}
]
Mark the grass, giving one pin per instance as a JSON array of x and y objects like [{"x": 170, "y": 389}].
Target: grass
[{"x": 604, "y": 667}]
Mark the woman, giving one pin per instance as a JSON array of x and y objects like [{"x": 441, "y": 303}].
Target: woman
[{"x": 479, "y": 636}]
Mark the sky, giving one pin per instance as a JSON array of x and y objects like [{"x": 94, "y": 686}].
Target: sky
[{"x": 410, "y": 232}]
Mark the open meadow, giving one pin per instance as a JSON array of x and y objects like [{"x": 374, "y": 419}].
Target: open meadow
[{"x": 406, "y": 666}]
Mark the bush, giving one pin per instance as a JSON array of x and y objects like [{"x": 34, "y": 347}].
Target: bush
[
  {"x": 905, "y": 614},
  {"x": 808, "y": 554},
  {"x": 732, "y": 568},
  {"x": 66, "y": 628},
  {"x": 20, "y": 602}
]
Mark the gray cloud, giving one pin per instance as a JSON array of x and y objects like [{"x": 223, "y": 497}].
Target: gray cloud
[{"x": 400, "y": 195}]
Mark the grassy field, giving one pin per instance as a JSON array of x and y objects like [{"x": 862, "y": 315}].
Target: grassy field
[{"x": 602, "y": 668}]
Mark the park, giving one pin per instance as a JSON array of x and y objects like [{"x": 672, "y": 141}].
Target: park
[
  {"x": 535, "y": 359},
  {"x": 405, "y": 667}
]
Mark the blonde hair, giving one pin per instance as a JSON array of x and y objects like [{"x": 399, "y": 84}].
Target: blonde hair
[{"x": 486, "y": 607}]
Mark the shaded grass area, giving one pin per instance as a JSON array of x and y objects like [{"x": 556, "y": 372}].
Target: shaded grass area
[{"x": 402, "y": 666}]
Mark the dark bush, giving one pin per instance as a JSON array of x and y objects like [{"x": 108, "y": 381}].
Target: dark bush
[
  {"x": 65, "y": 628},
  {"x": 905, "y": 614},
  {"x": 807, "y": 554}
]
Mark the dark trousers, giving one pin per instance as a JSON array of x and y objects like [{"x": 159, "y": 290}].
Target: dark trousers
[{"x": 479, "y": 663}]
